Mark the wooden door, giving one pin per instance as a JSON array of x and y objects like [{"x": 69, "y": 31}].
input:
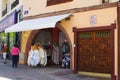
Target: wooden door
[
  {"x": 103, "y": 51},
  {"x": 94, "y": 51}
]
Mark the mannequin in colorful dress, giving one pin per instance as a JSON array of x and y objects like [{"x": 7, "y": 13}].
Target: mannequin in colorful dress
[
  {"x": 33, "y": 57},
  {"x": 55, "y": 53},
  {"x": 42, "y": 56}
]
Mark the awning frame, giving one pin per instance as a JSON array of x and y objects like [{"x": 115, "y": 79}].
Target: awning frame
[{"x": 39, "y": 23}]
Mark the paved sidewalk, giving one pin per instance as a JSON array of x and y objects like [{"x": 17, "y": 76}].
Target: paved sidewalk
[
  {"x": 23, "y": 72},
  {"x": 67, "y": 75}
]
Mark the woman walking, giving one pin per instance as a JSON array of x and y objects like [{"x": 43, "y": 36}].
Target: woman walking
[
  {"x": 5, "y": 52},
  {"x": 15, "y": 56}
]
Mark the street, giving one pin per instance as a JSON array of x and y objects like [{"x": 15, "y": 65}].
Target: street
[{"x": 23, "y": 72}]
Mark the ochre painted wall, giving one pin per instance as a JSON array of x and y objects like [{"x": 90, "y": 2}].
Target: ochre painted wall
[
  {"x": 41, "y": 6},
  {"x": 116, "y": 51},
  {"x": 24, "y": 39},
  {"x": 35, "y": 7},
  {"x": 104, "y": 17}
]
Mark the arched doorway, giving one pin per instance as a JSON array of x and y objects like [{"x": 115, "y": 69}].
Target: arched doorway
[{"x": 43, "y": 36}]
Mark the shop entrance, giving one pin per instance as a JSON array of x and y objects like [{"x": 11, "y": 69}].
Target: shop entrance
[
  {"x": 48, "y": 38},
  {"x": 94, "y": 51}
]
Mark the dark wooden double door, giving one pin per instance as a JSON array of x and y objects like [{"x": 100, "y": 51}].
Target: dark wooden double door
[{"x": 94, "y": 51}]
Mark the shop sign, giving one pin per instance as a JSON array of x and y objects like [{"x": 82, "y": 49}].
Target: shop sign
[
  {"x": 93, "y": 20},
  {"x": 7, "y": 22}
]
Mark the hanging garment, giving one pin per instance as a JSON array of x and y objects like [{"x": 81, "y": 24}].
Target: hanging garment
[
  {"x": 43, "y": 57},
  {"x": 33, "y": 58},
  {"x": 55, "y": 55},
  {"x": 29, "y": 57}
]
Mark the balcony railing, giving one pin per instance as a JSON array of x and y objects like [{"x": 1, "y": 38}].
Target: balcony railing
[
  {"x": 4, "y": 12},
  {"x": 14, "y": 4}
]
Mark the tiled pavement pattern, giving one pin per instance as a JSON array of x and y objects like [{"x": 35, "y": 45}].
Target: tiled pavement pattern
[{"x": 23, "y": 72}]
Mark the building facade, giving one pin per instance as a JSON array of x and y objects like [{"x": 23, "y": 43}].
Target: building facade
[
  {"x": 92, "y": 30},
  {"x": 10, "y": 14}
]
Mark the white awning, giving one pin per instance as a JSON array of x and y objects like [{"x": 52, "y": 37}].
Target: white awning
[{"x": 33, "y": 24}]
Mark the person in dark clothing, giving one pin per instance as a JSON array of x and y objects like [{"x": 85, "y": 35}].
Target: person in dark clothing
[
  {"x": 48, "y": 48},
  {"x": 66, "y": 61},
  {"x": 65, "y": 54},
  {"x": 65, "y": 47},
  {"x": 15, "y": 56}
]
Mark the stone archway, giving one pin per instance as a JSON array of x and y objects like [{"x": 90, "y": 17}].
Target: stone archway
[
  {"x": 35, "y": 32},
  {"x": 29, "y": 41}
]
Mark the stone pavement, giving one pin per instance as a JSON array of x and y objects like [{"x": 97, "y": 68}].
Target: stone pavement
[{"x": 23, "y": 72}]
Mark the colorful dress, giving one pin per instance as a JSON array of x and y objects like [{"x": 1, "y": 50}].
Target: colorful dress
[{"x": 55, "y": 54}]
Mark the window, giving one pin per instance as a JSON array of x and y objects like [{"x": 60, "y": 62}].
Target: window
[
  {"x": 105, "y": 1},
  {"x": 14, "y": 4},
  {"x": 4, "y": 12},
  {"x": 53, "y": 2}
]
